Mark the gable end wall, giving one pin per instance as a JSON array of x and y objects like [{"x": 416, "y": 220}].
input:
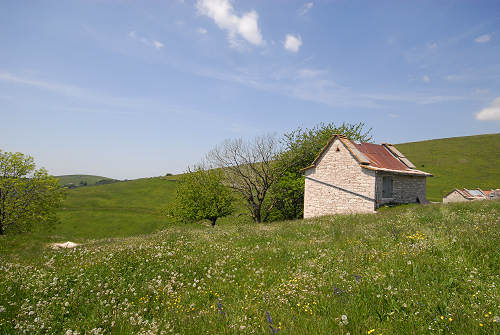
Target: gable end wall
[
  {"x": 341, "y": 169},
  {"x": 454, "y": 196}
]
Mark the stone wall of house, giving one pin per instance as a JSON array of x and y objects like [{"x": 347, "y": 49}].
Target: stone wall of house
[
  {"x": 338, "y": 167},
  {"x": 454, "y": 197},
  {"x": 405, "y": 188}
]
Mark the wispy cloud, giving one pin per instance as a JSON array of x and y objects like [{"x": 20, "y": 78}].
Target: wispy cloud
[
  {"x": 202, "y": 31},
  {"x": 490, "y": 113},
  {"x": 310, "y": 73},
  {"x": 306, "y": 8},
  {"x": 483, "y": 38},
  {"x": 293, "y": 43},
  {"x": 67, "y": 90},
  {"x": 223, "y": 14},
  {"x": 83, "y": 95},
  {"x": 314, "y": 86},
  {"x": 152, "y": 43}
]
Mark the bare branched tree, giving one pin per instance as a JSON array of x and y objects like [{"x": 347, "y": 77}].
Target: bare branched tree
[{"x": 250, "y": 168}]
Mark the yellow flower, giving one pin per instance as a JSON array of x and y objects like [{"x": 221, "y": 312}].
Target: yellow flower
[
  {"x": 370, "y": 331},
  {"x": 442, "y": 317},
  {"x": 450, "y": 319},
  {"x": 480, "y": 325}
]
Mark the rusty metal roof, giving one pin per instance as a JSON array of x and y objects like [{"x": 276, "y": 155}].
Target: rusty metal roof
[
  {"x": 383, "y": 157},
  {"x": 380, "y": 157}
]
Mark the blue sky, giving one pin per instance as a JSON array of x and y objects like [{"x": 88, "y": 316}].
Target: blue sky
[{"x": 130, "y": 89}]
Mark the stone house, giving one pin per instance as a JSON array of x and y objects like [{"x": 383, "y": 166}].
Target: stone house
[
  {"x": 461, "y": 195},
  {"x": 350, "y": 177}
]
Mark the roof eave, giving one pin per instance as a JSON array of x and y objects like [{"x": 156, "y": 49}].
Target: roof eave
[{"x": 405, "y": 172}]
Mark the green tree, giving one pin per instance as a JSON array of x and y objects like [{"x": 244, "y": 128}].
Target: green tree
[
  {"x": 27, "y": 196},
  {"x": 202, "y": 195},
  {"x": 301, "y": 146}
]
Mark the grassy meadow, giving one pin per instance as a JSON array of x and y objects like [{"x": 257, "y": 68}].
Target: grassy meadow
[
  {"x": 457, "y": 162},
  {"x": 406, "y": 270}
]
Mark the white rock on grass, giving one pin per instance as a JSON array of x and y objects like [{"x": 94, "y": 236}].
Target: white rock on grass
[{"x": 66, "y": 245}]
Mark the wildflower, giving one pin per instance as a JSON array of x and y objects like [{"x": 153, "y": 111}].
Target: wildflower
[
  {"x": 496, "y": 318},
  {"x": 442, "y": 317},
  {"x": 480, "y": 325},
  {"x": 450, "y": 319},
  {"x": 344, "y": 319},
  {"x": 370, "y": 331}
]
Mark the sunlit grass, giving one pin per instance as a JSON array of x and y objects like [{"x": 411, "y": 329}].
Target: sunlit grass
[{"x": 431, "y": 269}]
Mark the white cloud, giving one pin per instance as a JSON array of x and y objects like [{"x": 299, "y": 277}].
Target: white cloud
[
  {"x": 483, "y": 38},
  {"x": 157, "y": 45},
  {"x": 491, "y": 113},
  {"x": 222, "y": 12},
  {"x": 426, "y": 78},
  {"x": 306, "y": 8},
  {"x": 152, "y": 43},
  {"x": 393, "y": 115},
  {"x": 202, "y": 30},
  {"x": 293, "y": 43}
]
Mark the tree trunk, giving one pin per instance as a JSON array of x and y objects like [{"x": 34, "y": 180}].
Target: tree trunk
[
  {"x": 213, "y": 221},
  {"x": 256, "y": 214}
]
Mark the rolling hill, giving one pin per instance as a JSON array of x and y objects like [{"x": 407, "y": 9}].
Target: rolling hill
[
  {"x": 135, "y": 207},
  {"x": 470, "y": 162}
]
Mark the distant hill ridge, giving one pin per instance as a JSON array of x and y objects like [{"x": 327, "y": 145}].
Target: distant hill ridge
[{"x": 78, "y": 180}]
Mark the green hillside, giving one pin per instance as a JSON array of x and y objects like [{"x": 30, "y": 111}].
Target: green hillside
[
  {"x": 470, "y": 162},
  {"x": 120, "y": 209},
  {"x": 77, "y": 179},
  {"x": 135, "y": 207}
]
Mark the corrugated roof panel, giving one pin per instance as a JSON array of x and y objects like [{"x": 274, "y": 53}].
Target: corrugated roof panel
[{"x": 380, "y": 157}]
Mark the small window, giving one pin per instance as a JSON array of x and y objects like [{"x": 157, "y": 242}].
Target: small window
[{"x": 387, "y": 187}]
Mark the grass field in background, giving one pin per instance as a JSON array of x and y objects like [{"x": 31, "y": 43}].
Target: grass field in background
[
  {"x": 406, "y": 270},
  {"x": 458, "y": 162}
]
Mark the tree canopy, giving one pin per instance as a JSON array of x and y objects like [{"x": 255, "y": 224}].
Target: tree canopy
[
  {"x": 28, "y": 196},
  {"x": 202, "y": 195}
]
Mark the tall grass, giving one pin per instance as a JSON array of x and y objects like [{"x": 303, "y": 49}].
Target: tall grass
[{"x": 407, "y": 270}]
